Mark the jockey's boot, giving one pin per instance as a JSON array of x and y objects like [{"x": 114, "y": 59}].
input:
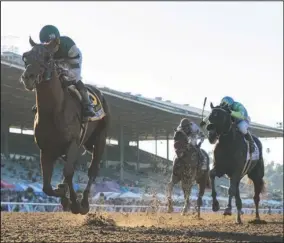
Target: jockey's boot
[
  {"x": 34, "y": 109},
  {"x": 88, "y": 108},
  {"x": 249, "y": 138}
]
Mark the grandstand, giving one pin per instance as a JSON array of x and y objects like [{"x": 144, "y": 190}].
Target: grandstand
[{"x": 134, "y": 118}]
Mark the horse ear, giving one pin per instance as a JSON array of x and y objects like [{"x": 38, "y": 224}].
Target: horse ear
[
  {"x": 32, "y": 43},
  {"x": 211, "y": 105}
]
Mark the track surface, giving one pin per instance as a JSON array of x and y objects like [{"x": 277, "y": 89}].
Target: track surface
[{"x": 136, "y": 227}]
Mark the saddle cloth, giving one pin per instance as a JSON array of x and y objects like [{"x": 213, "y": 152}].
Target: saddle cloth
[
  {"x": 98, "y": 107},
  {"x": 251, "y": 160}
]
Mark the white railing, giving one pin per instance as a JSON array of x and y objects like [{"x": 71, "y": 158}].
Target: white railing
[{"x": 56, "y": 207}]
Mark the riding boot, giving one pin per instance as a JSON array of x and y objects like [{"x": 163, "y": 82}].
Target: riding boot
[
  {"x": 249, "y": 138},
  {"x": 88, "y": 108},
  {"x": 34, "y": 109}
]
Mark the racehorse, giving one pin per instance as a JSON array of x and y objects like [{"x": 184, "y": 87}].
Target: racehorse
[
  {"x": 231, "y": 158},
  {"x": 58, "y": 127},
  {"x": 187, "y": 170}
]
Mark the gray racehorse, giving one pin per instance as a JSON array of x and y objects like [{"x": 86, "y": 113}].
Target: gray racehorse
[{"x": 187, "y": 170}]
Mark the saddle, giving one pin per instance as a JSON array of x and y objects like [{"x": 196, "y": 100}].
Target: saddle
[{"x": 68, "y": 82}]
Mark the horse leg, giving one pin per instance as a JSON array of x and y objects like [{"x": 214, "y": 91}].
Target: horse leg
[
  {"x": 238, "y": 205},
  {"x": 186, "y": 187},
  {"x": 215, "y": 203},
  {"x": 228, "y": 209},
  {"x": 201, "y": 190},
  {"x": 68, "y": 172},
  {"x": 174, "y": 180},
  {"x": 232, "y": 193},
  {"x": 75, "y": 204},
  {"x": 47, "y": 164},
  {"x": 258, "y": 187},
  {"x": 98, "y": 150}
]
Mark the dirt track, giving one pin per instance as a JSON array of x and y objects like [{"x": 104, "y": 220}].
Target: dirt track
[{"x": 136, "y": 227}]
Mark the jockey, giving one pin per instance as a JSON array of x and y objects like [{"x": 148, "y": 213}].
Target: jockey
[
  {"x": 240, "y": 114},
  {"x": 194, "y": 133},
  {"x": 67, "y": 52}
]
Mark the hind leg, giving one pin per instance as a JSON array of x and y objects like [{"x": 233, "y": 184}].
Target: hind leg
[
  {"x": 256, "y": 175},
  {"x": 98, "y": 149},
  {"x": 174, "y": 180},
  {"x": 201, "y": 190},
  {"x": 258, "y": 186},
  {"x": 239, "y": 205}
]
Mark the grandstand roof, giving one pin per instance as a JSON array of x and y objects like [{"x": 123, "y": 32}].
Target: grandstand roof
[{"x": 140, "y": 116}]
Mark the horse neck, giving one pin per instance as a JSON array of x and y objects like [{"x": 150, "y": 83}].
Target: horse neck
[
  {"x": 228, "y": 139},
  {"x": 50, "y": 96}
]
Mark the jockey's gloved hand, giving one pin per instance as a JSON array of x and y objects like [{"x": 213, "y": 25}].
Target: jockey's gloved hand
[
  {"x": 198, "y": 145},
  {"x": 202, "y": 123}
]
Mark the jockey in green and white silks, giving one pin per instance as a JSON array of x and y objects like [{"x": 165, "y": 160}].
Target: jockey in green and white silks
[
  {"x": 194, "y": 133},
  {"x": 68, "y": 54},
  {"x": 240, "y": 115}
]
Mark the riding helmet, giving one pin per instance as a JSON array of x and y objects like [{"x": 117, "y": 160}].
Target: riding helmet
[
  {"x": 184, "y": 123},
  {"x": 48, "y": 33},
  {"x": 227, "y": 100}
]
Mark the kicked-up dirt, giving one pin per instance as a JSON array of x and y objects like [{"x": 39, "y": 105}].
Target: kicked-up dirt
[{"x": 137, "y": 227}]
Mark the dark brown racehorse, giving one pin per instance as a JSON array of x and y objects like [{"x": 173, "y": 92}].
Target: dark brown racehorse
[
  {"x": 58, "y": 126},
  {"x": 230, "y": 157}
]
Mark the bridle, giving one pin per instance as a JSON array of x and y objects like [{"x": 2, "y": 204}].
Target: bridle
[
  {"x": 225, "y": 109},
  {"x": 43, "y": 66}
]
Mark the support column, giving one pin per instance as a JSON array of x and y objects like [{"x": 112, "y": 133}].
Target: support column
[
  {"x": 156, "y": 143},
  {"x": 121, "y": 146},
  {"x": 4, "y": 137},
  {"x": 105, "y": 157},
  {"x": 138, "y": 156},
  {"x": 168, "y": 146}
]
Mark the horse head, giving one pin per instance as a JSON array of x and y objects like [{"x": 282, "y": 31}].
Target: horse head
[
  {"x": 37, "y": 61},
  {"x": 220, "y": 122}
]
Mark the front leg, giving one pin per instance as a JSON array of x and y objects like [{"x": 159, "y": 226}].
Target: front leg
[
  {"x": 215, "y": 203},
  {"x": 234, "y": 183},
  {"x": 174, "y": 180},
  {"x": 68, "y": 173}
]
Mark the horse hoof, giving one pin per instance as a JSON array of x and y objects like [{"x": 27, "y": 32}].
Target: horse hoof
[
  {"x": 65, "y": 202},
  {"x": 84, "y": 210},
  {"x": 227, "y": 212},
  {"x": 75, "y": 207},
  {"x": 65, "y": 189},
  {"x": 215, "y": 207},
  {"x": 239, "y": 221}
]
